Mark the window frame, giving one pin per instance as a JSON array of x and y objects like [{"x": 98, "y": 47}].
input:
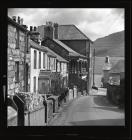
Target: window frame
[
  {"x": 35, "y": 59},
  {"x": 34, "y": 83},
  {"x": 43, "y": 60},
  {"x": 39, "y": 60},
  {"x": 16, "y": 71}
]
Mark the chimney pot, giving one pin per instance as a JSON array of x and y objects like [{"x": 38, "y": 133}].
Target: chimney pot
[
  {"x": 31, "y": 28},
  {"x": 14, "y": 18},
  {"x": 21, "y": 21},
  {"x": 25, "y": 26},
  {"x": 35, "y": 28},
  {"x": 56, "y": 30},
  {"x": 18, "y": 20}
]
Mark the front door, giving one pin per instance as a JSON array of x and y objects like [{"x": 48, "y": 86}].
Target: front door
[{"x": 43, "y": 86}]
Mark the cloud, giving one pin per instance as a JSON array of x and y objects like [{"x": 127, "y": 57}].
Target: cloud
[
  {"x": 94, "y": 22},
  {"x": 118, "y": 12}
]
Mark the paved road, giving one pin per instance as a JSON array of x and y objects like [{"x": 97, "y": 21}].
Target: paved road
[{"x": 89, "y": 110}]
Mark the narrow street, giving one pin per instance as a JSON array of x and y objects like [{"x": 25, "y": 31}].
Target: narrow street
[{"x": 89, "y": 110}]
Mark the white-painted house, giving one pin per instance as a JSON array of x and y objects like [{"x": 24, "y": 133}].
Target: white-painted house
[
  {"x": 43, "y": 63},
  {"x": 61, "y": 66}
]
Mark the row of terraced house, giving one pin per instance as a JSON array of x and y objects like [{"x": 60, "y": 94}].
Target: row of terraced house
[{"x": 44, "y": 61}]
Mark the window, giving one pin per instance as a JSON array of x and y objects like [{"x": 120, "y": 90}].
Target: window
[
  {"x": 35, "y": 59},
  {"x": 54, "y": 64},
  {"x": 27, "y": 44},
  {"x": 17, "y": 39},
  {"x": 17, "y": 71},
  {"x": 40, "y": 60},
  {"x": 34, "y": 81},
  {"x": 43, "y": 60},
  {"x": 49, "y": 63}
]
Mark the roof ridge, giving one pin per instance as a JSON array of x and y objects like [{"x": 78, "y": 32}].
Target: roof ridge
[
  {"x": 83, "y": 33},
  {"x": 70, "y": 49}
]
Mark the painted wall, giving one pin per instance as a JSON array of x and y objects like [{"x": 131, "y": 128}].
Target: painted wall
[{"x": 35, "y": 72}]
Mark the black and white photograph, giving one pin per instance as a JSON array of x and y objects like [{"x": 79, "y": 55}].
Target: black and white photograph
[{"x": 66, "y": 67}]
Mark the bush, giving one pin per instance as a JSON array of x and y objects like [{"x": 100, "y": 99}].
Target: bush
[{"x": 31, "y": 100}]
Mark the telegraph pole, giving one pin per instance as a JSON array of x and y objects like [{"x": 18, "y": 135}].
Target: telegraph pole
[
  {"x": 88, "y": 63},
  {"x": 93, "y": 67}
]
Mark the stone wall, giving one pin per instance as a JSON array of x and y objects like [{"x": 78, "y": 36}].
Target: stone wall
[{"x": 15, "y": 55}]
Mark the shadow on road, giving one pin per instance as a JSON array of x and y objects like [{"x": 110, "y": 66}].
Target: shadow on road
[
  {"x": 102, "y": 101},
  {"x": 110, "y": 109},
  {"x": 101, "y": 122}
]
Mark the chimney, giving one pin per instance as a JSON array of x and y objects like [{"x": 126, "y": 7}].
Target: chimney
[
  {"x": 48, "y": 30},
  {"x": 21, "y": 21},
  {"x": 35, "y": 29},
  {"x": 56, "y": 30},
  {"x": 34, "y": 35},
  {"x": 14, "y": 18},
  {"x": 31, "y": 28},
  {"x": 18, "y": 20},
  {"x": 107, "y": 59},
  {"x": 25, "y": 26}
]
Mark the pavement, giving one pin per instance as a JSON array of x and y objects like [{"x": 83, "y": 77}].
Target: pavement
[{"x": 89, "y": 110}]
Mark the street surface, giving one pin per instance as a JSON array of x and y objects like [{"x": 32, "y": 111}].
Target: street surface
[{"x": 89, "y": 110}]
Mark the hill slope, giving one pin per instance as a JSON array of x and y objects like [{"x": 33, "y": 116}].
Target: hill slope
[{"x": 111, "y": 45}]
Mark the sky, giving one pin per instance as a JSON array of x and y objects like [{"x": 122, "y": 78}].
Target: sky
[{"x": 93, "y": 22}]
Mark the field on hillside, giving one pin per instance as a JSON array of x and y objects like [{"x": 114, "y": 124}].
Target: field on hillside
[{"x": 99, "y": 63}]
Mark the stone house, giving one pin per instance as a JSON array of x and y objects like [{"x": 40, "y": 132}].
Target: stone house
[
  {"x": 18, "y": 56},
  {"x": 106, "y": 68},
  {"x": 117, "y": 72},
  {"x": 61, "y": 68},
  {"x": 115, "y": 84},
  {"x": 77, "y": 62},
  {"x": 50, "y": 35},
  {"x": 44, "y": 64}
]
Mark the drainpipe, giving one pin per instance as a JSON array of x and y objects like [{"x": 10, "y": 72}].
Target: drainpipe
[
  {"x": 88, "y": 65},
  {"x": 25, "y": 51}
]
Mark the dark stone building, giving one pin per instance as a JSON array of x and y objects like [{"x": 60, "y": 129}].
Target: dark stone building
[
  {"x": 18, "y": 57},
  {"x": 63, "y": 42}
]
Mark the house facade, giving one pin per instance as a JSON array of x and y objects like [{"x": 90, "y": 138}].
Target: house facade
[
  {"x": 18, "y": 56},
  {"x": 74, "y": 38},
  {"x": 61, "y": 71},
  {"x": 117, "y": 73},
  {"x": 43, "y": 63},
  {"x": 77, "y": 62},
  {"x": 106, "y": 68}
]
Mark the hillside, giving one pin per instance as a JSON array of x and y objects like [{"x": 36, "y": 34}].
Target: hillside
[
  {"x": 111, "y": 45},
  {"x": 99, "y": 63}
]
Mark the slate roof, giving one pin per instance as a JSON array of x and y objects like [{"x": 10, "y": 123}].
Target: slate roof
[
  {"x": 71, "y": 32},
  {"x": 16, "y": 24},
  {"x": 118, "y": 67},
  {"x": 41, "y": 48},
  {"x": 71, "y": 52},
  {"x": 58, "y": 56}
]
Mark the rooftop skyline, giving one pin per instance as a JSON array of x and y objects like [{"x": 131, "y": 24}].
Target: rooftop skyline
[{"x": 93, "y": 22}]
